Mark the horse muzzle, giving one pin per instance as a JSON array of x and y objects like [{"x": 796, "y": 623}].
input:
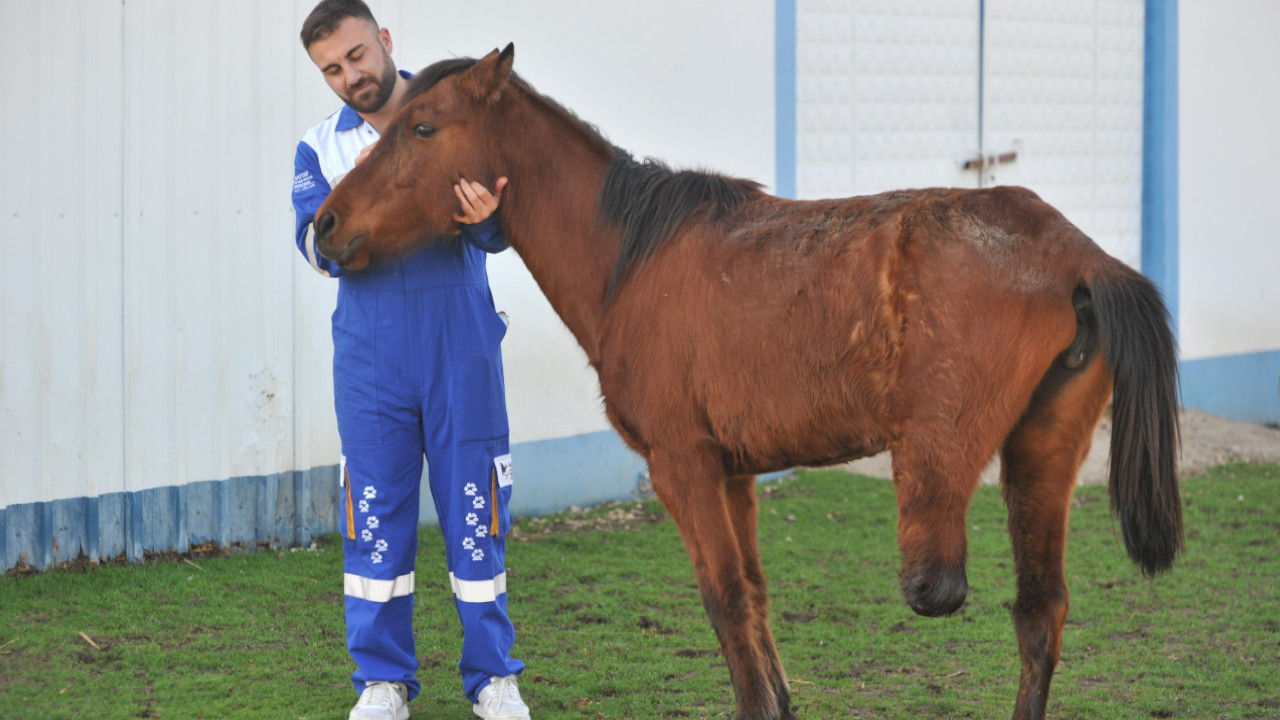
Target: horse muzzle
[{"x": 324, "y": 227}]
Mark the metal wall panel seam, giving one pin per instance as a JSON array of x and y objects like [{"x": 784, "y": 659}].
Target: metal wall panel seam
[{"x": 982, "y": 58}]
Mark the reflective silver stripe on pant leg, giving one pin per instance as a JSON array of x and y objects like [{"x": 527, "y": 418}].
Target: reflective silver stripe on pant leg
[
  {"x": 377, "y": 590},
  {"x": 478, "y": 591}
]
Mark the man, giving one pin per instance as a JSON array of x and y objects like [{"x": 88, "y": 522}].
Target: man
[{"x": 417, "y": 370}]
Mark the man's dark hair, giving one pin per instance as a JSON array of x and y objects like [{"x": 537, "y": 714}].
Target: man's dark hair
[{"x": 326, "y": 16}]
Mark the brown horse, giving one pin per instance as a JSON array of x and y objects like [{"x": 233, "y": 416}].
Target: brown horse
[{"x": 736, "y": 333}]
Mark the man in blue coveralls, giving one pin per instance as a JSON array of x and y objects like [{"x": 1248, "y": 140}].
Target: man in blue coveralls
[{"x": 417, "y": 369}]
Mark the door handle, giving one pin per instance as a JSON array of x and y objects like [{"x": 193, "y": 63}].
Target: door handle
[{"x": 989, "y": 161}]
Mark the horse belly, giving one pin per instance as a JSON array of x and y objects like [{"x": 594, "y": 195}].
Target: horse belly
[
  {"x": 800, "y": 384},
  {"x": 767, "y": 421}
]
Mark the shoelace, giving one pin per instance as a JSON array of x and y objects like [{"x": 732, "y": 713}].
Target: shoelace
[
  {"x": 507, "y": 690},
  {"x": 379, "y": 694}
]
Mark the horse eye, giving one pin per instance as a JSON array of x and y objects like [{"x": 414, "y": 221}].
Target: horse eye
[{"x": 423, "y": 130}]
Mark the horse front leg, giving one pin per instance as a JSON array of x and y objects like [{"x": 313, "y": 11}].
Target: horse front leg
[
  {"x": 693, "y": 488},
  {"x": 740, "y": 498}
]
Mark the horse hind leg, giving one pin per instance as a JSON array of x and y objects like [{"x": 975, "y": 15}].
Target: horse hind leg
[
  {"x": 1041, "y": 459},
  {"x": 693, "y": 488}
]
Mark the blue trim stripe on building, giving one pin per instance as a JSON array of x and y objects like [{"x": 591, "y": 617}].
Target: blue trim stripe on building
[
  {"x": 784, "y": 84},
  {"x": 1160, "y": 152}
]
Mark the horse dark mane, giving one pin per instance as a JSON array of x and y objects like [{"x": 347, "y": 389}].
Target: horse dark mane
[
  {"x": 649, "y": 202},
  {"x": 427, "y": 77}
]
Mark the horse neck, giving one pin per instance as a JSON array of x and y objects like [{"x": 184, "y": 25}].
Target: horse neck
[{"x": 555, "y": 170}]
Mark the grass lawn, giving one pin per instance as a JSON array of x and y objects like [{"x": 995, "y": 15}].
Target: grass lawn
[{"x": 610, "y": 624}]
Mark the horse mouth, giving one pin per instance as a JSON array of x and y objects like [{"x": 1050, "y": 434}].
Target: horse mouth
[{"x": 344, "y": 255}]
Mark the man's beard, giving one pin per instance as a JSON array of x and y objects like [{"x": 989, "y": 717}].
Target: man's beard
[{"x": 386, "y": 85}]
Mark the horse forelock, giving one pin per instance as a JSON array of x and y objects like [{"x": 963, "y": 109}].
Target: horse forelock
[{"x": 649, "y": 201}]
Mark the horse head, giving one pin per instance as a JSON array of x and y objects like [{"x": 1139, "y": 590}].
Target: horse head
[{"x": 401, "y": 196}]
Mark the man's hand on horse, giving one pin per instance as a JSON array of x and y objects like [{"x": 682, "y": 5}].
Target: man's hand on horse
[{"x": 475, "y": 202}]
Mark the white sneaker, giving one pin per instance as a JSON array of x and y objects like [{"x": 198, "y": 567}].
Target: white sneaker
[
  {"x": 500, "y": 700},
  {"x": 381, "y": 701}
]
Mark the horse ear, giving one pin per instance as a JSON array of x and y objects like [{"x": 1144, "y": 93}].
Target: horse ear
[{"x": 488, "y": 78}]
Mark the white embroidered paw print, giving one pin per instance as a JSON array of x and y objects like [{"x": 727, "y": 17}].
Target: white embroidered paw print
[
  {"x": 478, "y": 503},
  {"x": 469, "y": 489},
  {"x": 370, "y": 492},
  {"x": 468, "y": 544},
  {"x": 366, "y": 535},
  {"x": 364, "y": 506},
  {"x": 376, "y": 557},
  {"x": 381, "y": 545},
  {"x": 472, "y": 518},
  {"x": 477, "y": 555},
  {"x": 482, "y": 531},
  {"x": 372, "y": 522}
]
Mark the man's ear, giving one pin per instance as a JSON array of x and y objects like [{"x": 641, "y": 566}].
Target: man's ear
[{"x": 487, "y": 79}]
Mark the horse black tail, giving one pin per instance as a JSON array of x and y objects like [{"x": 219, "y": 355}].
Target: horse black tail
[{"x": 1141, "y": 351}]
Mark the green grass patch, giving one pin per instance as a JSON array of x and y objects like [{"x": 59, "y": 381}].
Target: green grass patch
[{"x": 610, "y": 623}]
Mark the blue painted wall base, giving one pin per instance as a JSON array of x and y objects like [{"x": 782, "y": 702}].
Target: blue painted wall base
[
  {"x": 282, "y": 509},
  {"x": 285, "y": 509},
  {"x": 1241, "y": 387}
]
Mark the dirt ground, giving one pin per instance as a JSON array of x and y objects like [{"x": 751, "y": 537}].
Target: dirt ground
[{"x": 1207, "y": 440}]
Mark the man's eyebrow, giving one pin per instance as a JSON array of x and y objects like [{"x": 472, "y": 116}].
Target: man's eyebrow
[{"x": 326, "y": 68}]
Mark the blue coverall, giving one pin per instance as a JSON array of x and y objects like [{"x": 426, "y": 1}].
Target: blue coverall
[{"x": 417, "y": 370}]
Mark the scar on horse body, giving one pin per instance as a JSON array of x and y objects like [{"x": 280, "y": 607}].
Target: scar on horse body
[{"x": 736, "y": 333}]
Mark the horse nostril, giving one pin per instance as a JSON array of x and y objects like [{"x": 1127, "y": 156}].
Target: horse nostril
[{"x": 324, "y": 224}]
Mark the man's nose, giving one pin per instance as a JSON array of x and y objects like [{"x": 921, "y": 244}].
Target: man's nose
[{"x": 353, "y": 75}]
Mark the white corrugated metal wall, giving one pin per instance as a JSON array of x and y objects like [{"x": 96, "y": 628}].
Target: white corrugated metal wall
[
  {"x": 166, "y": 354},
  {"x": 61, "y": 322},
  {"x": 148, "y": 305}
]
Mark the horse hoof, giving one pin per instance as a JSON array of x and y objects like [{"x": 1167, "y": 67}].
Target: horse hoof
[{"x": 937, "y": 593}]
